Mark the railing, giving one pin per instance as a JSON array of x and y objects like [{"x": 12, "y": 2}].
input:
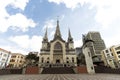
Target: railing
[{"x": 57, "y": 65}]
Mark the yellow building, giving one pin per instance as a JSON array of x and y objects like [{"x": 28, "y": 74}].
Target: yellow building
[
  {"x": 111, "y": 56},
  {"x": 17, "y": 60}
]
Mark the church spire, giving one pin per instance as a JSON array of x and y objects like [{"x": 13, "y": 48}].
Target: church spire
[
  {"x": 45, "y": 36},
  {"x": 57, "y": 32},
  {"x": 69, "y": 35},
  {"x": 70, "y": 39}
]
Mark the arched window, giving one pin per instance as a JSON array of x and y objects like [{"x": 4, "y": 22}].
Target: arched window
[
  {"x": 67, "y": 58},
  {"x": 48, "y": 58},
  {"x": 73, "y": 59},
  {"x": 42, "y": 59},
  {"x": 58, "y": 46}
]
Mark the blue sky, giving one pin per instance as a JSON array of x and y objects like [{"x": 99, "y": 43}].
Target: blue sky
[{"x": 23, "y": 22}]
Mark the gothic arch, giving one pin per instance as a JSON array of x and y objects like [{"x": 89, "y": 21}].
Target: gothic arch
[{"x": 58, "y": 46}]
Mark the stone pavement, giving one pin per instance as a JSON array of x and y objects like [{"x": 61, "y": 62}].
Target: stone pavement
[{"x": 61, "y": 77}]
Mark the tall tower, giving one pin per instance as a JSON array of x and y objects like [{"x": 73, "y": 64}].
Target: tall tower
[
  {"x": 45, "y": 41},
  {"x": 70, "y": 41},
  {"x": 95, "y": 47}
]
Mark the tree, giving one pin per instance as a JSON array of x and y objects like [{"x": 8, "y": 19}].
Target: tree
[{"x": 32, "y": 59}]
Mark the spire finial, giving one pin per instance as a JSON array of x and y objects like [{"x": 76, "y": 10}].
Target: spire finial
[
  {"x": 70, "y": 39},
  {"x": 46, "y": 33},
  {"x": 57, "y": 32},
  {"x": 69, "y": 33},
  {"x": 45, "y": 36},
  {"x": 57, "y": 20}
]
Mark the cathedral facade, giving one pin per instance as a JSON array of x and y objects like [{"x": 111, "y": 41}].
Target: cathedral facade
[{"x": 57, "y": 52}]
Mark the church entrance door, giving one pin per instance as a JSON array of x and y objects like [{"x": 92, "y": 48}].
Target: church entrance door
[{"x": 57, "y": 60}]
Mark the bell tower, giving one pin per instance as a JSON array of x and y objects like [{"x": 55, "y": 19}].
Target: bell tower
[
  {"x": 45, "y": 41},
  {"x": 70, "y": 41}
]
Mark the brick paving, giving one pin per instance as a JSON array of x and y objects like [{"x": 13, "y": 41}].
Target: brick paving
[{"x": 61, "y": 77}]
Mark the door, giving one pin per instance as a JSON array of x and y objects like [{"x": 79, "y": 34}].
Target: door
[{"x": 57, "y": 60}]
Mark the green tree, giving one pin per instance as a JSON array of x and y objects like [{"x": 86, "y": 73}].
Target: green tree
[{"x": 32, "y": 59}]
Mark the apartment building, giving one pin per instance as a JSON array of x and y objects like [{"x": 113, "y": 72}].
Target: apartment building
[
  {"x": 4, "y": 58},
  {"x": 111, "y": 56},
  {"x": 17, "y": 60}
]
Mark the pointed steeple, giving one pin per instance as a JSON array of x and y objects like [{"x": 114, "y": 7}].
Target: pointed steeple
[
  {"x": 57, "y": 32},
  {"x": 45, "y": 36},
  {"x": 70, "y": 39},
  {"x": 69, "y": 36}
]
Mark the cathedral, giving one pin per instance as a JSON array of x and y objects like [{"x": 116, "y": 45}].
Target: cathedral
[{"x": 57, "y": 52}]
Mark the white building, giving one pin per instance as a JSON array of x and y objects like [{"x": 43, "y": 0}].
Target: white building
[
  {"x": 4, "y": 58},
  {"x": 111, "y": 56}
]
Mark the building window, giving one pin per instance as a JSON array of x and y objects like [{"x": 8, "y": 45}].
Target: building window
[
  {"x": 92, "y": 67},
  {"x": 118, "y": 52},
  {"x": 67, "y": 61},
  {"x": 12, "y": 60},
  {"x": 47, "y": 61},
  {"x": 117, "y": 48},
  {"x": 3, "y": 59},
  {"x": 48, "y": 58},
  {"x": 13, "y": 56},
  {"x": 5, "y": 55},
  {"x": 110, "y": 60},
  {"x": 112, "y": 54},
  {"x": 20, "y": 61},
  {"x": 58, "y": 46},
  {"x": 110, "y": 49},
  {"x": 67, "y": 58},
  {"x": 42, "y": 60},
  {"x": 72, "y": 59},
  {"x": 119, "y": 56},
  {"x": 106, "y": 51},
  {"x": 21, "y": 57},
  {"x": 108, "y": 55}
]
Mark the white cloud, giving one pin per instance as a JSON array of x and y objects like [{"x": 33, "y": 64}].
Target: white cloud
[
  {"x": 69, "y": 3},
  {"x": 52, "y": 33},
  {"x": 19, "y": 3},
  {"x": 107, "y": 10},
  {"x": 77, "y": 43},
  {"x": 49, "y": 24},
  {"x": 18, "y": 20},
  {"x": 26, "y": 43},
  {"x": 106, "y": 17}
]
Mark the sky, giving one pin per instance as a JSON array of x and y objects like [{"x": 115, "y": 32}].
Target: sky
[{"x": 23, "y": 22}]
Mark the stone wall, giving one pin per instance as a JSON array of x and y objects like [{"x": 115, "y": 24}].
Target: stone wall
[
  {"x": 81, "y": 69},
  {"x": 10, "y": 71},
  {"x": 32, "y": 70},
  {"x": 103, "y": 69}
]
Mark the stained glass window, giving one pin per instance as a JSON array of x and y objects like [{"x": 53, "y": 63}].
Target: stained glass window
[{"x": 58, "y": 46}]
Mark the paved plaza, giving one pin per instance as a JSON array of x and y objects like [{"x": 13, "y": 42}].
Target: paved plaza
[{"x": 61, "y": 77}]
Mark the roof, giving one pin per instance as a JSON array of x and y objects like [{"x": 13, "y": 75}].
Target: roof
[
  {"x": 17, "y": 54},
  {"x": 4, "y": 50}
]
